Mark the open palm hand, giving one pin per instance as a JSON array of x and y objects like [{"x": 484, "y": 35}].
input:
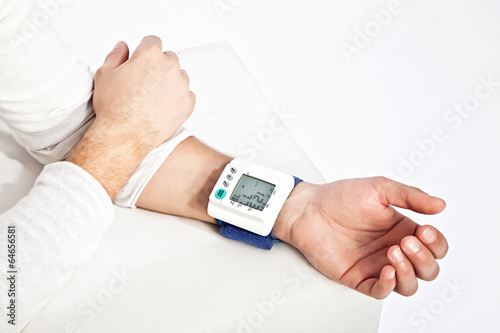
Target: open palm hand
[{"x": 350, "y": 232}]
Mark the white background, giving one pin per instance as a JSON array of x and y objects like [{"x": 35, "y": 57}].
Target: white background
[{"x": 362, "y": 115}]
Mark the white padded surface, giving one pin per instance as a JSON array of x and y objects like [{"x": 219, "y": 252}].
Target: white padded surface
[{"x": 180, "y": 275}]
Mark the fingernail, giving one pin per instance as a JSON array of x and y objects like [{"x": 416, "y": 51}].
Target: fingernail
[
  {"x": 391, "y": 274},
  {"x": 117, "y": 45},
  {"x": 411, "y": 246},
  {"x": 429, "y": 235},
  {"x": 397, "y": 255}
]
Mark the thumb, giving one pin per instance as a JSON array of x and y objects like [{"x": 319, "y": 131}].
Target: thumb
[
  {"x": 116, "y": 57},
  {"x": 408, "y": 197}
]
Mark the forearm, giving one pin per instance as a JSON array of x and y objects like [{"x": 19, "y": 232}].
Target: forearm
[
  {"x": 183, "y": 183},
  {"x": 182, "y": 186},
  {"x": 58, "y": 227}
]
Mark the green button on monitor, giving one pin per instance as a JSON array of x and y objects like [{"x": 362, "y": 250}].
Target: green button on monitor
[{"x": 220, "y": 193}]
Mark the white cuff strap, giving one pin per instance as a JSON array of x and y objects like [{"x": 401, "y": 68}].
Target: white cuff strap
[{"x": 130, "y": 193}]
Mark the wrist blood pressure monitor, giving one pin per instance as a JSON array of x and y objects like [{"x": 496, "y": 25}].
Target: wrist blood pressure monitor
[{"x": 247, "y": 199}]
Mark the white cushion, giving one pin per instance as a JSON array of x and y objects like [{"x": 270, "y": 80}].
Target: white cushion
[{"x": 180, "y": 275}]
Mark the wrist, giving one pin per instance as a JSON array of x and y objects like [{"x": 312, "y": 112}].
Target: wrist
[
  {"x": 292, "y": 211},
  {"x": 109, "y": 155},
  {"x": 185, "y": 181}
]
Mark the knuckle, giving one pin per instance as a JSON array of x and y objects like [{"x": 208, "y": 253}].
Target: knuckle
[
  {"x": 173, "y": 63},
  {"x": 412, "y": 291},
  {"x": 409, "y": 291},
  {"x": 443, "y": 252},
  {"x": 380, "y": 297},
  {"x": 381, "y": 180},
  {"x": 150, "y": 50},
  {"x": 99, "y": 73},
  {"x": 185, "y": 81},
  {"x": 172, "y": 58},
  {"x": 404, "y": 268},
  {"x": 172, "y": 54},
  {"x": 190, "y": 102},
  {"x": 380, "y": 185},
  {"x": 170, "y": 68},
  {"x": 432, "y": 275},
  {"x": 158, "y": 39},
  {"x": 441, "y": 255}
]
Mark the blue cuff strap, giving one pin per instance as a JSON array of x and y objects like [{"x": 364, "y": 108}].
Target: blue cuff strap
[{"x": 236, "y": 233}]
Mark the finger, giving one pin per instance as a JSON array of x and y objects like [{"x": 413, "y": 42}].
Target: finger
[
  {"x": 172, "y": 55},
  {"x": 408, "y": 197},
  {"x": 116, "y": 57},
  {"x": 379, "y": 288},
  {"x": 406, "y": 281},
  {"x": 148, "y": 43},
  {"x": 424, "y": 263},
  {"x": 433, "y": 240},
  {"x": 385, "y": 284}
]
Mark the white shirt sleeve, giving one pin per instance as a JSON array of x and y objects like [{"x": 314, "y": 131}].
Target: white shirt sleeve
[
  {"x": 46, "y": 100},
  {"x": 58, "y": 228},
  {"x": 45, "y": 90}
]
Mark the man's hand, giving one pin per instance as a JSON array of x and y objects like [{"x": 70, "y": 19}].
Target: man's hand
[
  {"x": 350, "y": 232},
  {"x": 147, "y": 95},
  {"x": 139, "y": 103}
]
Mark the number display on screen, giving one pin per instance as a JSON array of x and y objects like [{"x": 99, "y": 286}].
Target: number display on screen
[{"x": 252, "y": 192}]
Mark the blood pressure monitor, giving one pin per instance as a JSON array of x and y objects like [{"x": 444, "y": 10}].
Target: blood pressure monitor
[{"x": 250, "y": 196}]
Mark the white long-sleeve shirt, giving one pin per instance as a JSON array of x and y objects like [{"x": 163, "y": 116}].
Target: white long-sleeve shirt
[
  {"x": 45, "y": 98},
  {"x": 58, "y": 227},
  {"x": 45, "y": 91}
]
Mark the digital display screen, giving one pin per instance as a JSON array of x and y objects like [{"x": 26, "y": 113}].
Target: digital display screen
[{"x": 252, "y": 192}]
